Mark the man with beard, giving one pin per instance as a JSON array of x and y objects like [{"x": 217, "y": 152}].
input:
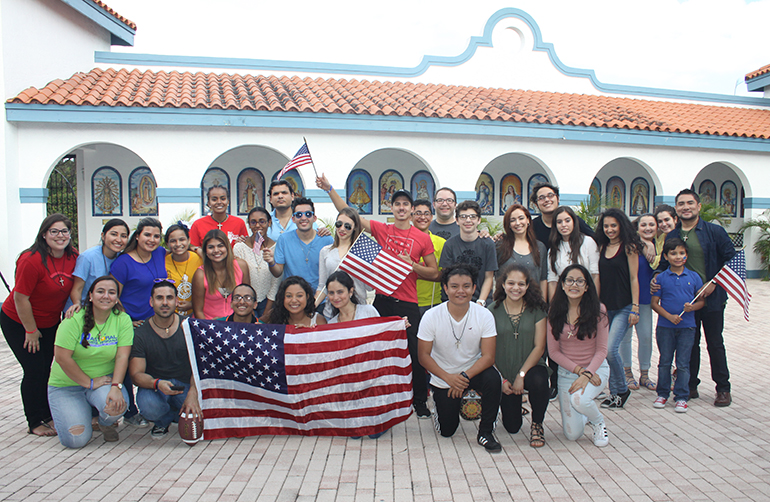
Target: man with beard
[
  {"x": 709, "y": 248},
  {"x": 546, "y": 197},
  {"x": 160, "y": 364}
]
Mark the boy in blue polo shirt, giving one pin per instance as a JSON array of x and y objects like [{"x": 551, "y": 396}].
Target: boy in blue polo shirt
[{"x": 676, "y": 323}]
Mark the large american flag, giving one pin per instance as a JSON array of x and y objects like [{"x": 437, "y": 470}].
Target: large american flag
[
  {"x": 302, "y": 158},
  {"x": 367, "y": 261},
  {"x": 732, "y": 278},
  {"x": 345, "y": 379}
]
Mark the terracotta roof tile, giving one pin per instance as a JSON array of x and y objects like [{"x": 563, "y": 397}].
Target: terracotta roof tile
[
  {"x": 114, "y": 14},
  {"x": 757, "y": 73},
  {"x": 135, "y": 88}
]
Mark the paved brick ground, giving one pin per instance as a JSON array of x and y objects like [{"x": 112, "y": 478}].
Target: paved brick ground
[{"x": 707, "y": 454}]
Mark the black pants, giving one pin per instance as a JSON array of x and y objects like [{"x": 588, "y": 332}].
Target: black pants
[
  {"x": 536, "y": 383},
  {"x": 489, "y": 384},
  {"x": 388, "y": 306},
  {"x": 713, "y": 323},
  {"x": 36, "y": 367}
]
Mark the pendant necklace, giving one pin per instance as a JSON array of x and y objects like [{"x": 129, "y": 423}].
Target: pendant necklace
[
  {"x": 571, "y": 329},
  {"x": 219, "y": 225},
  {"x": 145, "y": 263},
  {"x": 685, "y": 234},
  {"x": 515, "y": 319},
  {"x": 152, "y": 320},
  {"x": 184, "y": 290},
  {"x": 59, "y": 274},
  {"x": 451, "y": 325}
]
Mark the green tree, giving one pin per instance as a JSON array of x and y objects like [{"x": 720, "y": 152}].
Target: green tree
[
  {"x": 62, "y": 193},
  {"x": 762, "y": 245}
]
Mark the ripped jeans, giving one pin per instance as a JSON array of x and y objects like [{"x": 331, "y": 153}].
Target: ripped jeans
[
  {"x": 578, "y": 408},
  {"x": 71, "y": 408}
]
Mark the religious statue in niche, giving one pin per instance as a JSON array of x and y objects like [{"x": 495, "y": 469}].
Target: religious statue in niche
[
  {"x": 106, "y": 192},
  {"x": 595, "y": 194},
  {"x": 484, "y": 188},
  {"x": 390, "y": 182},
  {"x": 640, "y": 197},
  {"x": 729, "y": 199},
  {"x": 141, "y": 190},
  {"x": 534, "y": 180},
  {"x": 707, "y": 192},
  {"x": 423, "y": 186},
  {"x": 510, "y": 189},
  {"x": 251, "y": 186},
  {"x": 359, "y": 189},
  {"x": 295, "y": 180},
  {"x": 616, "y": 192}
]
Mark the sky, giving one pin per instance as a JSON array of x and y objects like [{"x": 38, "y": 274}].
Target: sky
[{"x": 695, "y": 45}]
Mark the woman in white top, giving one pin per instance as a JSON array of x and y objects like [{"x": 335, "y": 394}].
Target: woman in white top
[
  {"x": 348, "y": 227},
  {"x": 263, "y": 282},
  {"x": 569, "y": 246},
  {"x": 345, "y": 304}
]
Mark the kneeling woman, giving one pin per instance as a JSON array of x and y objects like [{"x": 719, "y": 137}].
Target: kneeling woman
[
  {"x": 577, "y": 331},
  {"x": 294, "y": 305},
  {"x": 519, "y": 311},
  {"x": 344, "y": 302},
  {"x": 91, "y": 352}
]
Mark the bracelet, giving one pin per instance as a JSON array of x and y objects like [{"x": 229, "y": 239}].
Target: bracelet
[
  {"x": 155, "y": 383},
  {"x": 464, "y": 375},
  {"x": 92, "y": 385},
  {"x": 634, "y": 304},
  {"x": 330, "y": 189},
  {"x": 505, "y": 381},
  {"x": 30, "y": 332},
  {"x": 271, "y": 266},
  {"x": 590, "y": 375},
  {"x": 634, "y": 313}
]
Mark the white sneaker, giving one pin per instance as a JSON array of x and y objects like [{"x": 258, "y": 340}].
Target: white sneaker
[
  {"x": 681, "y": 406},
  {"x": 601, "y": 437},
  {"x": 660, "y": 402}
]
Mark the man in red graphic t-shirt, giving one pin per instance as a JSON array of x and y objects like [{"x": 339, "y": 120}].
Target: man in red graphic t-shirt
[{"x": 411, "y": 245}]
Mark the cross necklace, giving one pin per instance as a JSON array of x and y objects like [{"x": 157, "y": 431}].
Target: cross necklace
[{"x": 451, "y": 325}]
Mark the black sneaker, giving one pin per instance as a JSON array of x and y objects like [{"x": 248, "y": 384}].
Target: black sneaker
[
  {"x": 488, "y": 441},
  {"x": 158, "y": 432},
  {"x": 554, "y": 393},
  {"x": 616, "y": 401},
  {"x": 421, "y": 409}
]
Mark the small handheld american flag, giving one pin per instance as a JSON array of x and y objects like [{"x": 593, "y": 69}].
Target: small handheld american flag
[
  {"x": 732, "y": 278},
  {"x": 302, "y": 158},
  {"x": 367, "y": 261}
]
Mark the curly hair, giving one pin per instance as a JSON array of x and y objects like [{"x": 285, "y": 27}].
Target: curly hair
[
  {"x": 590, "y": 306},
  {"x": 505, "y": 245},
  {"x": 88, "y": 308},
  {"x": 279, "y": 314},
  {"x": 628, "y": 236},
  {"x": 533, "y": 297}
]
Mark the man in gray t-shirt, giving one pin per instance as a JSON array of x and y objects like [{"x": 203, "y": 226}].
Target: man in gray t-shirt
[
  {"x": 468, "y": 247},
  {"x": 160, "y": 364}
]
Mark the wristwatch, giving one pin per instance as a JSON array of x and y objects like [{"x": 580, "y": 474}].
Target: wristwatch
[
  {"x": 118, "y": 385},
  {"x": 522, "y": 374},
  {"x": 481, "y": 302}
]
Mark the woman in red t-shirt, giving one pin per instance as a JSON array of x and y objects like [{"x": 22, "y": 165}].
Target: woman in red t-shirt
[{"x": 32, "y": 312}]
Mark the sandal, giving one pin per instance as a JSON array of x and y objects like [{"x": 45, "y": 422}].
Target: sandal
[
  {"x": 536, "y": 436},
  {"x": 630, "y": 380},
  {"x": 47, "y": 430},
  {"x": 644, "y": 381},
  {"x": 524, "y": 411}
]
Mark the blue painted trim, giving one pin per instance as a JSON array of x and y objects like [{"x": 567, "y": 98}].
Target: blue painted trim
[
  {"x": 101, "y": 115},
  {"x": 756, "y": 274},
  {"x": 465, "y": 195},
  {"x": 665, "y": 199},
  {"x": 178, "y": 195},
  {"x": 120, "y": 33},
  {"x": 572, "y": 199},
  {"x": 758, "y": 84},
  {"x": 33, "y": 195},
  {"x": 756, "y": 203},
  {"x": 270, "y": 65},
  {"x": 318, "y": 196}
]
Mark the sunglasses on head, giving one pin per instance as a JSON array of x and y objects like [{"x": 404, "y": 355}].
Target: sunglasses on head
[
  {"x": 348, "y": 226},
  {"x": 308, "y": 214}
]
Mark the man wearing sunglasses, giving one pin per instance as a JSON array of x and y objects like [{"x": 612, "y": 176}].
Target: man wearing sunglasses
[
  {"x": 281, "y": 196},
  {"x": 546, "y": 197},
  {"x": 297, "y": 252}
]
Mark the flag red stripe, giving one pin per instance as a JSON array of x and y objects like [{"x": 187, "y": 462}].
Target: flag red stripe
[
  {"x": 368, "y": 273},
  {"x": 352, "y": 378},
  {"x": 345, "y": 361},
  {"x": 214, "y": 413},
  {"x": 224, "y": 433},
  {"x": 337, "y": 345}
]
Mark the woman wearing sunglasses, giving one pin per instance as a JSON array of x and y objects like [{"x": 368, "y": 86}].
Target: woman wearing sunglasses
[{"x": 348, "y": 228}]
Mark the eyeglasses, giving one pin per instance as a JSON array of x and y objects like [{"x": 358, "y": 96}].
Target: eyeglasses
[
  {"x": 246, "y": 298},
  {"x": 64, "y": 232},
  {"x": 441, "y": 201},
  {"x": 548, "y": 196},
  {"x": 258, "y": 222},
  {"x": 308, "y": 214},
  {"x": 420, "y": 214},
  {"x": 569, "y": 281},
  {"x": 468, "y": 217},
  {"x": 348, "y": 226}
]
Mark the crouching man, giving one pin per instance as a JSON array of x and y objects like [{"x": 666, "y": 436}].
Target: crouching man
[
  {"x": 457, "y": 347},
  {"x": 160, "y": 364}
]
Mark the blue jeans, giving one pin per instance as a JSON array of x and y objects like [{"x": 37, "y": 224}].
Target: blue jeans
[
  {"x": 159, "y": 408},
  {"x": 643, "y": 335},
  {"x": 71, "y": 409},
  {"x": 618, "y": 326},
  {"x": 671, "y": 340},
  {"x": 579, "y": 407}
]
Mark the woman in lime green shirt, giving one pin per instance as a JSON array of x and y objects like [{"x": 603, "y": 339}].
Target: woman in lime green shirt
[{"x": 91, "y": 357}]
